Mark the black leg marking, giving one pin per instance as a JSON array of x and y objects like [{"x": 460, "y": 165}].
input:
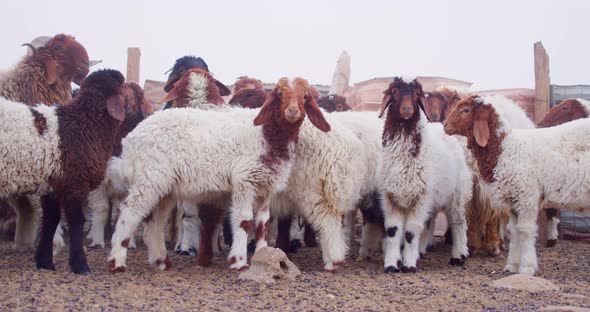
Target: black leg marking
[
  {"x": 50, "y": 220},
  {"x": 391, "y": 231},
  {"x": 409, "y": 237}
]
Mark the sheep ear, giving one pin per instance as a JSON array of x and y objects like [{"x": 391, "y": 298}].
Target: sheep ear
[
  {"x": 481, "y": 131},
  {"x": 265, "y": 113},
  {"x": 146, "y": 108},
  {"x": 385, "y": 102},
  {"x": 422, "y": 102},
  {"x": 315, "y": 115},
  {"x": 223, "y": 90},
  {"x": 116, "y": 107},
  {"x": 170, "y": 96},
  {"x": 51, "y": 70}
]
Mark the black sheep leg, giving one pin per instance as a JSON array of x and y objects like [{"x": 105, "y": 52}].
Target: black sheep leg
[
  {"x": 50, "y": 220},
  {"x": 75, "y": 218},
  {"x": 227, "y": 233}
]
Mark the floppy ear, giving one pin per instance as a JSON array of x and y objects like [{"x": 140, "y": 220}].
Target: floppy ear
[
  {"x": 51, "y": 70},
  {"x": 170, "y": 96},
  {"x": 223, "y": 90},
  {"x": 315, "y": 115},
  {"x": 116, "y": 107},
  {"x": 265, "y": 113},
  {"x": 481, "y": 131},
  {"x": 145, "y": 107},
  {"x": 422, "y": 102},
  {"x": 385, "y": 102}
]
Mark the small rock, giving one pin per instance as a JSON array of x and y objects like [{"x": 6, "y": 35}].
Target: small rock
[
  {"x": 524, "y": 282},
  {"x": 563, "y": 309},
  {"x": 330, "y": 296},
  {"x": 268, "y": 265}
]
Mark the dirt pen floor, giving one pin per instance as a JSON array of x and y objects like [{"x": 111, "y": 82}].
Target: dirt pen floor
[{"x": 358, "y": 287}]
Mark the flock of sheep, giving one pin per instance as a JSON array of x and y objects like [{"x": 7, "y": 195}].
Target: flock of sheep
[{"x": 263, "y": 161}]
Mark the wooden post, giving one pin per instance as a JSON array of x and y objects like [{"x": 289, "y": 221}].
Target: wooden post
[
  {"x": 542, "y": 81},
  {"x": 133, "y": 56},
  {"x": 542, "y": 98}
]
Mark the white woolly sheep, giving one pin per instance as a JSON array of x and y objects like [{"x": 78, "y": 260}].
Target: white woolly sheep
[
  {"x": 228, "y": 156},
  {"x": 421, "y": 171},
  {"x": 514, "y": 166}
]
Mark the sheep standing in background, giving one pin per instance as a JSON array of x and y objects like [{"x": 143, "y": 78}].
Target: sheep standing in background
[
  {"x": 566, "y": 111},
  {"x": 232, "y": 158},
  {"x": 248, "y": 93},
  {"x": 43, "y": 76},
  {"x": 440, "y": 103},
  {"x": 421, "y": 171},
  {"x": 61, "y": 153},
  {"x": 334, "y": 103},
  {"x": 525, "y": 170},
  {"x": 137, "y": 108}
]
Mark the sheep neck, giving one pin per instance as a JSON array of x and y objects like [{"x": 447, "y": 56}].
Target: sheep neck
[
  {"x": 398, "y": 128},
  {"x": 487, "y": 157},
  {"x": 280, "y": 138}
]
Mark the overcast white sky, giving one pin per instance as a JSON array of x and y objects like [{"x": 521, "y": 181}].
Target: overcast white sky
[{"x": 489, "y": 43}]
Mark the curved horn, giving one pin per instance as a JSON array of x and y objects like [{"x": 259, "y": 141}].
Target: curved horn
[{"x": 32, "y": 47}]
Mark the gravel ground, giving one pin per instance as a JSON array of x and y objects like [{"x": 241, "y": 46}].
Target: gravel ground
[{"x": 358, "y": 287}]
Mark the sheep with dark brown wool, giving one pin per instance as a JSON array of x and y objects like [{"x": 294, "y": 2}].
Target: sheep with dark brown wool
[
  {"x": 61, "y": 153},
  {"x": 334, "y": 103},
  {"x": 248, "y": 93},
  {"x": 101, "y": 200},
  {"x": 43, "y": 76},
  {"x": 440, "y": 102}
]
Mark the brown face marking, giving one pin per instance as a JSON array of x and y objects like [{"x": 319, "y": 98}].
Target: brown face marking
[
  {"x": 246, "y": 225},
  {"x": 39, "y": 121},
  {"x": 232, "y": 260}
]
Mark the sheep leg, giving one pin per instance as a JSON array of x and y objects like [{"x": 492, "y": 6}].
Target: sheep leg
[
  {"x": 513, "y": 261},
  {"x": 210, "y": 216},
  {"x": 283, "y": 231},
  {"x": 413, "y": 230},
  {"x": 58, "y": 239},
  {"x": 178, "y": 219},
  {"x": 262, "y": 222},
  {"x": 155, "y": 233},
  {"x": 394, "y": 229},
  {"x": 491, "y": 239},
  {"x": 425, "y": 237},
  {"x": 309, "y": 236},
  {"x": 191, "y": 235},
  {"x": 473, "y": 237},
  {"x": 332, "y": 239},
  {"x": 98, "y": 204},
  {"x": 349, "y": 223},
  {"x": 50, "y": 220},
  {"x": 527, "y": 234},
  {"x": 75, "y": 218},
  {"x": 296, "y": 235},
  {"x": 458, "y": 225},
  {"x": 371, "y": 238},
  {"x": 227, "y": 233},
  {"x": 24, "y": 236},
  {"x": 552, "y": 222},
  {"x": 241, "y": 221}
]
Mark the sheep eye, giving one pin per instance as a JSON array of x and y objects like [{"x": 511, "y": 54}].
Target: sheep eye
[
  {"x": 305, "y": 97},
  {"x": 465, "y": 110},
  {"x": 564, "y": 108},
  {"x": 279, "y": 94}
]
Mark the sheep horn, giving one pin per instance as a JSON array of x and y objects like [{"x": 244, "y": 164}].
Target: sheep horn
[
  {"x": 94, "y": 62},
  {"x": 32, "y": 47}
]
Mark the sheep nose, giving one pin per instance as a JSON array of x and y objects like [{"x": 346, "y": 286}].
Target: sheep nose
[
  {"x": 406, "y": 108},
  {"x": 434, "y": 117},
  {"x": 293, "y": 110}
]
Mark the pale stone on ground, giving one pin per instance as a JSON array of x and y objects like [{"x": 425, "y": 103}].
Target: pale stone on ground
[
  {"x": 563, "y": 309},
  {"x": 270, "y": 264},
  {"x": 524, "y": 282}
]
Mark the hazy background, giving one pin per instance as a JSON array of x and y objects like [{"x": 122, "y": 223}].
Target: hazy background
[{"x": 489, "y": 43}]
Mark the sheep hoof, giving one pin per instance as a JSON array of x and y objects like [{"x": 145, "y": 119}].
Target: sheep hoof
[
  {"x": 457, "y": 261},
  {"x": 527, "y": 270},
  {"x": 96, "y": 245},
  {"x": 242, "y": 268},
  {"x": 81, "y": 269},
  {"x": 120, "y": 269},
  {"x": 494, "y": 251},
  {"x": 192, "y": 252},
  {"x": 45, "y": 266},
  {"x": 391, "y": 270},
  {"x": 184, "y": 253},
  {"x": 294, "y": 245},
  {"x": 406, "y": 269},
  {"x": 551, "y": 243},
  {"x": 165, "y": 264},
  {"x": 512, "y": 268},
  {"x": 421, "y": 255},
  {"x": 430, "y": 248}
]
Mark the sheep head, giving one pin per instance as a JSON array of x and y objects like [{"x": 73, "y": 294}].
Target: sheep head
[
  {"x": 404, "y": 99},
  {"x": 107, "y": 82},
  {"x": 568, "y": 110},
  {"x": 135, "y": 101},
  {"x": 182, "y": 65},
  {"x": 71, "y": 58},
  {"x": 334, "y": 103},
  {"x": 245, "y": 82},
  {"x": 288, "y": 104},
  {"x": 472, "y": 118},
  {"x": 194, "y": 85}
]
